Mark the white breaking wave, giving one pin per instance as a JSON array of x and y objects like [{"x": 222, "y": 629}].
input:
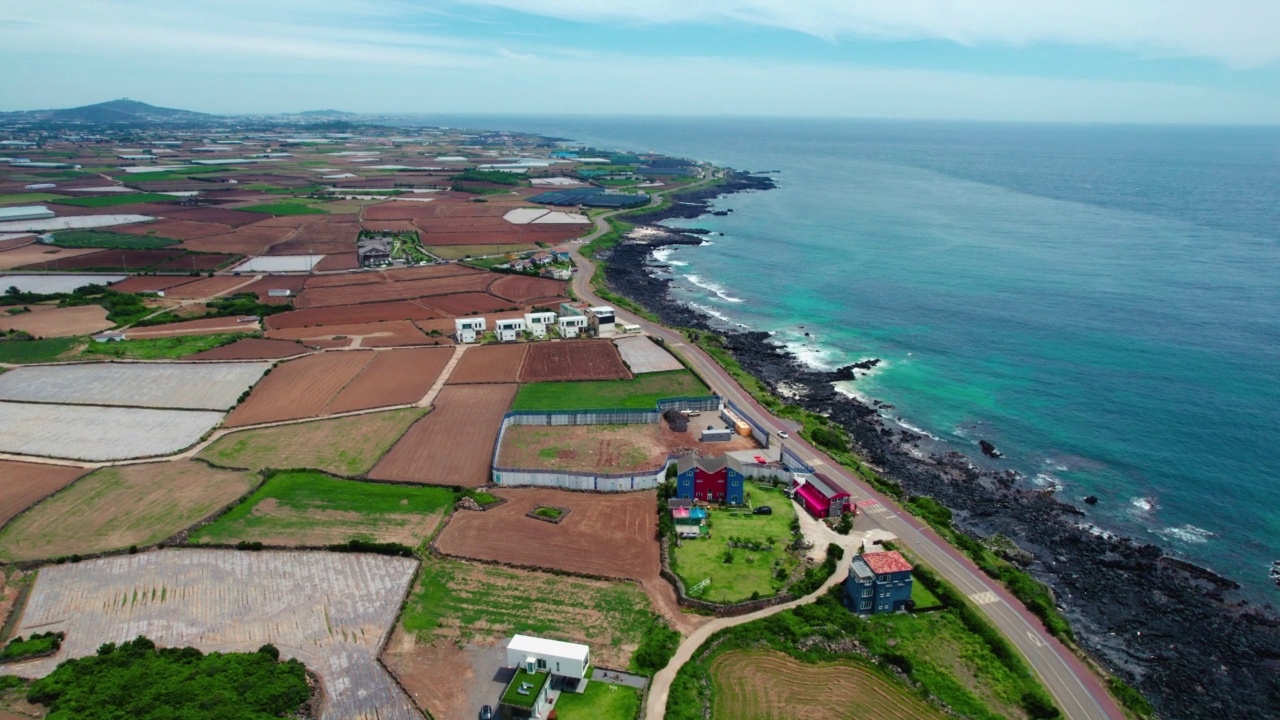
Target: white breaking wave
[
  {"x": 663, "y": 255},
  {"x": 1187, "y": 534},
  {"x": 1142, "y": 505},
  {"x": 1047, "y": 481},
  {"x": 714, "y": 287},
  {"x": 716, "y": 314}
]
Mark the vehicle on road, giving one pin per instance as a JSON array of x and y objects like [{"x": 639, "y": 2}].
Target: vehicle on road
[{"x": 784, "y": 434}]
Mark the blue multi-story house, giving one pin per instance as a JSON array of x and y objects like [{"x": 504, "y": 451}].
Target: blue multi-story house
[
  {"x": 879, "y": 582},
  {"x": 717, "y": 480}
]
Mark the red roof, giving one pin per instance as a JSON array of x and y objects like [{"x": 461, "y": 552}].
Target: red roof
[{"x": 886, "y": 562}]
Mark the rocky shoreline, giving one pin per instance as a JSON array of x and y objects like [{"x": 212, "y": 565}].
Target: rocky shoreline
[{"x": 1172, "y": 629}]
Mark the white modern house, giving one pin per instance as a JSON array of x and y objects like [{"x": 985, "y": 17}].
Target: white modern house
[
  {"x": 601, "y": 320},
  {"x": 543, "y": 669},
  {"x": 571, "y": 326},
  {"x": 537, "y": 322},
  {"x": 509, "y": 330},
  {"x": 468, "y": 330}
]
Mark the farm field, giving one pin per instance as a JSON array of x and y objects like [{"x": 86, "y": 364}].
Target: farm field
[
  {"x": 37, "y": 351},
  {"x": 573, "y": 360},
  {"x": 596, "y": 448},
  {"x": 352, "y": 314},
  {"x": 150, "y": 283},
  {"x": 154, "y": 385},
  {"x": 644, "y": 392},
  {"x": 176, "y": 229},
  {"x": 116, "y": 507},
  {"x": 751, "y": 571},
  {"x": 522, "y": 289},
  {"x": 206, "y": 287},
  {"x": 611, "y": 535},
  {"x": 105, "y": 239},
  {"x": 643, "y": 355},
  {"x": 309, "y": 508},
  {"x": 395, "y": 377},
  {"x": 284, "y": 208},
  {"x": 202, "y": 326},
  {"x": 343, "y": 446},
  {"x": 298, "y": 388},
  {"x": 93, "y": 433},
  {"x": 489, "y": 364},
  {"x": 100, "y": 201},
  {"x": 460, "y": 252},
  {"x": 391, "y": 333},
  {"x": 388, "y": 291},
  {"x": 48, "y": 321},
  {"x": 329, "y": 610},
  {"x": 454, "y": 444},
  {"x": 252, "y": 349},
  {"x": 25, "y": 483},
  {"x": 37, "y": 255},
  {"x": 159, "y": 348},
  {"x": 467, "y": 303},
  {"x": 255, "y": 239},
  {"x": 764, "y": 685}
]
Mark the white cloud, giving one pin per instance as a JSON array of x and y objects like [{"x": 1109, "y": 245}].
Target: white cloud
[{"x": 1241, "y": 33}]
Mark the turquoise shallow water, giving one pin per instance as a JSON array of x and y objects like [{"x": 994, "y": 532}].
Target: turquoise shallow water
[{"x": 1103, "y": 303}]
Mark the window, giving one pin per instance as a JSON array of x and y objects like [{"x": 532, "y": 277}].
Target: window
[
  {"x": 868, "y": 592},
  {"x": 542, "y": 664}
]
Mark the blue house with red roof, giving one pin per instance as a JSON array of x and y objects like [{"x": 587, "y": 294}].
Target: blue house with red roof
[
  {"x": 717, "y": 479},
  {"x": 878, "y": 582}
]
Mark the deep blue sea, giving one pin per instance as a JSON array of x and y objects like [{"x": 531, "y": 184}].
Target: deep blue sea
[{"x": 1101, "y": 302}]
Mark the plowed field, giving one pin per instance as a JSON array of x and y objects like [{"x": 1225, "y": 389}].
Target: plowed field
[
  {"x": 759, "y": 685},
  {"x": 299, "y": 388},
  {"x": 150, "y": 283},
  {"x": 454, "y": 443},
  {"x": 255, "y": 239},
  {"x": 25, "y": 483},
  {"x": 38, "y": 255},
  {"x": 208, "y": 287},
  {"x": 353, "y": 314},
  {"x": 45, "y": 321},
  {"x": 522, "y": 289},
  {"x": 125, "y": 260},
  {"x": 206, "y": 326},
  {"x": 573, "y": 360},
  {"x": 176, "y": 229},
  {"x": 252, "y": 349},
  {"x": 379, "y": 334},
  {"x": 338, "y": 261},
  {"x": 489, "y": 364},
  {"x": 199, "y": 262},
  {"x": 381, "y": 292},
  {"x": 395, "y": 377},
  {"x": 466, "y": 303},
  {"x": 614, "y": 535},
  {"x": 222, "y": 216},
  {"x": 292, "y": 283}
]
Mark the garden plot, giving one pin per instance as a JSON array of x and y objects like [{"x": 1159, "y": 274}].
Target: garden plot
[
  {"x": 55, "y": 283},
  {"x": 643, "y": 355},
  {"x": 330, "y": 611},
  {"x": 140, "y": 385},
  {"x": 98, "y": 434},
  {"x": 280, "y": 263}
]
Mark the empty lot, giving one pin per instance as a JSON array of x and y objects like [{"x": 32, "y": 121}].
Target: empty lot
[
  {"x": 454, "y": 443},
  {"x": 144, "y": 385},
  {"x": 47, "y": 321},
  {"x": 86, "y": 432},
  {"x": 573, "y": 360},
  {"x": 489, "y": 364},
  {"x": 328, "y": 610},
  {"x": 643, "y": 355}
]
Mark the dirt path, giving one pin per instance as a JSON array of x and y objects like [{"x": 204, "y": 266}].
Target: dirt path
[{"x": 444, "y": 377}]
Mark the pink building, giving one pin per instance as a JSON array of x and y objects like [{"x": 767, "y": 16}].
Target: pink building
[{"x": 822, "y": 498}]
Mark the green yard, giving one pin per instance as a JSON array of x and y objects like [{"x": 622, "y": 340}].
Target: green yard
[
  {"x": 601, "y": 701},
  {"x": 643, "y": 392},
  {"x": 750, "y": 571},
  {"x": 97, "y": 201},
  {"x": 311, "y": 508},
  {"x": 923, "y": 597},
  {"x": 161, "y": 348},
  {"x": 32, "y": 197},
  {"x": 285, "y": 208},
  {"x": 33, "y": 351},
  {"x": 103, "y": 239}
]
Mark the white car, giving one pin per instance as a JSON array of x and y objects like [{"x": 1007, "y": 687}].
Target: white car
[{"x": 783, "y": 434}]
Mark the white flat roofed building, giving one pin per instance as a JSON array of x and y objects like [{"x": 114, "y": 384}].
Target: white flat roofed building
[
  {"x": 558, "y": 658},
  {"x": 467, "y": 330},
  {"x": 509, "y": 330},
  {"x": 537, "y": 322},
  {"x": 601, "y": 320},
  {"x": 25, "y": 212},
  {"x": 571, "y": 326}
]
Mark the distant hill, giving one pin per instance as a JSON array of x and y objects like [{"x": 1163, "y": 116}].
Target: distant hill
[
  {"x": 326, "y": 113},
  {"x": 124, "y": 110}
]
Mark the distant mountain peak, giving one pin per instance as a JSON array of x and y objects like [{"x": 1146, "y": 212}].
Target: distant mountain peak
[{"x": 124, "y": 110}]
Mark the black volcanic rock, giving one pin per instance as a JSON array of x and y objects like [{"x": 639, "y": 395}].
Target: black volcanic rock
[{"x": 989, "y": 450}]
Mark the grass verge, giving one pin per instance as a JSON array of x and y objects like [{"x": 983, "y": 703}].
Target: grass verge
[
  {"x": 641, "y": 393},
  {"x": 161, "y": 348}
]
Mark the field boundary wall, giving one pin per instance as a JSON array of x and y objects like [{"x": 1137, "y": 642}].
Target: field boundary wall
[
  {"x": 759, "y": 433},
  {"x": 792, "y": 462}
]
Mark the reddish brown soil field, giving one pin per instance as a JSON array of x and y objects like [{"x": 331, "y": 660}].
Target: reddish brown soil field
[
  {"x": 368, "y": 277},
  {"x": 395, "y": 377},
  {"x": 109, "y": 259},
  {"x": 174, "y": 229},
  {"x": 252, "y": 349},
  {"x": 613, "y": 535},
  {"x": 254, "y": 239},
  {"x": 517, "y": 234},
  {"x": 463, "y": 223},
  {"x": 398, "y": 210},
  {"x": 38, "y": 255},
  {"x": 390, "y": 333},
  {"x": 207, "y": 326},
  {"x": 381, "y": 292},
  {"x": 152, "y": 209},
  {"x": 207, "y": 287},
  {"x": 365, "y": 277},
  {"x": 25, "y": 483},
  {"x": 352, "y": 314},
  {"x": 261, "y": 287},
  {"x": 319, "y": 238},
  {"x": 338, "y": 261},
  {"x": 467, "y": 303},
  {"x": 453, "y": 444},
  {"x": 202, "y": 261},
  {"x": 390, "y": 226},
  {"x": 573, "y": 360},
  {"x": 47, "y": 321},
  {"x": 222, "y": 216},
  {"x": 151, "y": 283},
  {"x": 522, "y": 289},
  {"x": 489, "y": 364},
  {"x": 17, "y": 242},
  {"x": 299, "y": 388}
]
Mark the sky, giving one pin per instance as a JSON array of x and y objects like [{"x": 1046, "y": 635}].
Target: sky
[{"x": 1166, "y": 61}]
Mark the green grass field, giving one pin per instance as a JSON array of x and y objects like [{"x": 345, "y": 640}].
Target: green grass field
[
  {"x": 285, "y": 209},
  {"x": 170, "y": 175},
  {"x": 34, "y": 351},
  {"x": 313, "y": 509},
  {"x": 161, "y": 348},
  {"x": 751, "y": 571},
  {"x": 458, "y": 252},
  {"x": 98, "y": 201},
  {"x": 923, "y": 597},
  {"x": 601, "y": 701},
  {"x": 32, "y": 197},
  {"x": 641, "y": 393},
  {"x": 102, "y": 239},
  {"x": 343, "y": 446}
]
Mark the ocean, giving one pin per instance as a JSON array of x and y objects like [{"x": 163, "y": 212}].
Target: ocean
[{"x": 1101, "y": 302}]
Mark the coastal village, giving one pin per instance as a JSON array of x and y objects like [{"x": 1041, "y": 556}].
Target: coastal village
[{"x": 363, "y": 394}]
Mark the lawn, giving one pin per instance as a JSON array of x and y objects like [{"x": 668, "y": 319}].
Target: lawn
[
  {"x": 32, "y": 197},
  {"x": 601, "y": 701},
  {"x": 310, "y": 508},
  {"x": 344, "y": 446},
  {"x": 34, "y": 351},
  {"x": 102, "y": 239},
  {"x": 923, "y": 597},
  {"x": 643, "y": 392},
  {"x": 751, "y": 571},
  {"x": 474, "y": 602},
  {"x": 161, "y": 348},
  {"x": 97, "y": 201},
  {"x": 283, "y": 208}
]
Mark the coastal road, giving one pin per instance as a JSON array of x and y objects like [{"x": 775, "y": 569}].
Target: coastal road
[{"x": 1077, "y": 691}]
